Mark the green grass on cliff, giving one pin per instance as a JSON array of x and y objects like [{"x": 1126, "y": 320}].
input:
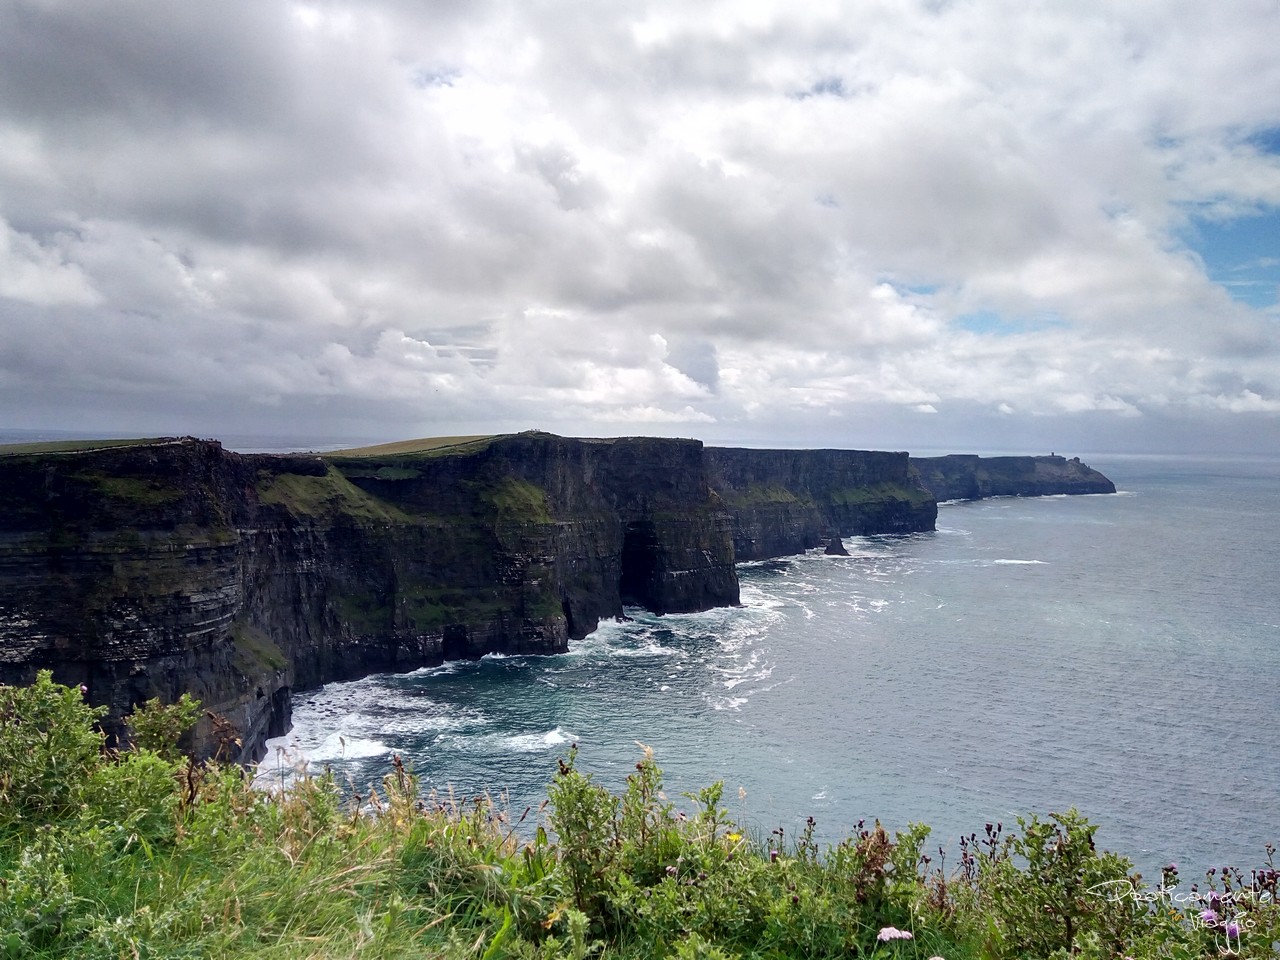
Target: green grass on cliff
[
  {"x": 518, "y": 500},
  {"x": 141, "y": 854},
  {"x": 140, "y": 491},
  {"x": 431, "y": 445},
  {"x": 324, "y": 497},
  {"x": 879, "y": 493},
  {"x": 255, "y": 651},
  {"x": 72, "y": 446},
  {"x": 759, "y": 494}
]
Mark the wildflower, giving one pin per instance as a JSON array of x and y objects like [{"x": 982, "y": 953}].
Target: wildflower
[
  {"x": 892, "y": 933},
  {"x": 733, "y": 837},
  {"x": 1209, "y": 916},
  {"x": 773, "y": 856},
  {"x": 672, "y": 870},
  {"x": 1233, "y": 930}
]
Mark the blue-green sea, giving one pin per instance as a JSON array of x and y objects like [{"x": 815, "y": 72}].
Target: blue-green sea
[{"x": 1119, "y": 654}]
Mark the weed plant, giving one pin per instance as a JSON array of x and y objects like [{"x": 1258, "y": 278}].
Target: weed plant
[{"x": 143, "y": 853}]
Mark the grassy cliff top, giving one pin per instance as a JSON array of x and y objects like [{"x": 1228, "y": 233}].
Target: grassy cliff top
[
  {"x": 432, "y": 445},
  {"x": 76, "y": 446}
]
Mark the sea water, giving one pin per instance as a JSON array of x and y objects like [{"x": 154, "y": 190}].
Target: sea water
[{"x": 1119, "y": 654}]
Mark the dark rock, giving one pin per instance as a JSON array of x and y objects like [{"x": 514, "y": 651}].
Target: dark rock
[{"x": 835, "y": 548}]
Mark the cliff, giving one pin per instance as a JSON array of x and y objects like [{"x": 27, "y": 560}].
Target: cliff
[
  {"x": 786, "y": 501},
  {"x": 167, "y": 566},
  {"x": 966, "y": 477},
  {"x": 152, "y": 568}
]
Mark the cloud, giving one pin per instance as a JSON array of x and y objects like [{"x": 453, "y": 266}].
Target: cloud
[{"x": 747, "y": 219}]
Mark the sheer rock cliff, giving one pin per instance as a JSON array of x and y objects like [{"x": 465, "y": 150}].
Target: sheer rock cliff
[{"x": 152, "y": 568}]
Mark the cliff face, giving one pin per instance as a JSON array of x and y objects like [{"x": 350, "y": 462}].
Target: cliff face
[
  {"x": 965, "y": 477},
  {"x": 174, "y": 566},
  {"x": 154, "y": 568},
  {"x": 786, "y": 501}
]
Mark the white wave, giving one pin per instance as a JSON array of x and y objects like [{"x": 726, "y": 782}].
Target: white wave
[
  {"x": 650, "y": 649},
  {"x": 535, "y": 742},
  {"x": 339, "y": 747},
  {"x": 1018, "y": 562},
  {"x": 729, "y": 703},
  {"x": 440, "y": 670}
]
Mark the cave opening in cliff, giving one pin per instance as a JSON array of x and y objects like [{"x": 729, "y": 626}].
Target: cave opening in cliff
[{"x": 638, "y": 576}]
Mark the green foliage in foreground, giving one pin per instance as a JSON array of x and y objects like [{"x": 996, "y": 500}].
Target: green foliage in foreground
[{"x": 142, "y": 854}]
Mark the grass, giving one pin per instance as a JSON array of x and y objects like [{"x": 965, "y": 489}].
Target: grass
[
  {"x": 73, "y": 446},
  {"x": 135, "y": 490},
  {"x": 422, "y": 445},
  {"x": 144, "y": 854},
  {"x": 516, "y": 499},
  {"x": 879, "y": 493},
  {"x": 256, "y": 651},
  {"x": 760, "y": 494},
  {"x": 324, "y": 497},
  {"x": 765, "y": 494}
]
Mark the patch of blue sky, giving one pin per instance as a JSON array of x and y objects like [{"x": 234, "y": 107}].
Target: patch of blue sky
[
  {"x": 1267, "y": 141},
  {"x": 1242, "y": 255},
  {"x": 991, "y": 323}
]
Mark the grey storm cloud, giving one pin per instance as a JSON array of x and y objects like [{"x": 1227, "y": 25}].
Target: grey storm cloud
[{"x": 758, "y": 222}]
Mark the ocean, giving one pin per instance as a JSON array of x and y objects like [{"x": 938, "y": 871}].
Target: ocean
[{"x": 1119, "y": 654}]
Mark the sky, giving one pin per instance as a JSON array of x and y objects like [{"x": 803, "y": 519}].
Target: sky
[{"x": 969, "y": 225}]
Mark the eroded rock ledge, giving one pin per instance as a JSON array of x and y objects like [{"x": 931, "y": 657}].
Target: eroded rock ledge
[{"x": 157, "y": 567}]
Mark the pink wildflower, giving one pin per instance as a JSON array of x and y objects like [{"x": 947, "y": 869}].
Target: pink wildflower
[{"x": 892, "y": 933}]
